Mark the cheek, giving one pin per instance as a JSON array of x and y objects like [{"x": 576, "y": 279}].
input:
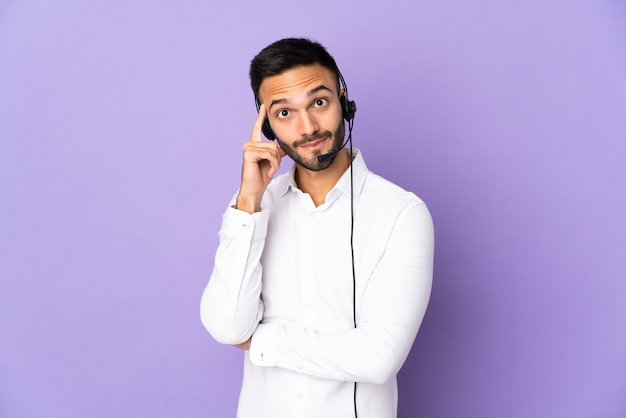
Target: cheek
[
  {"x": 338, "y": 119},
  {"x": 282, "y": 131},
  {"x": 282, "y": 143}
]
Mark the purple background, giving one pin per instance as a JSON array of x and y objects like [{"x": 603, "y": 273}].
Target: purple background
[{"x": 121, "y": 125}]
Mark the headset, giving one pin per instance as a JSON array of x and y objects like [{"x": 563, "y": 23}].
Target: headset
[{"x": 348, "y": 110}]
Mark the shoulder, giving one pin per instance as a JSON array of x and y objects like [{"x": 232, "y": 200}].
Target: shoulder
[
  {"x": 385, "y": 206},
  {"x": 378, "y": 190}
]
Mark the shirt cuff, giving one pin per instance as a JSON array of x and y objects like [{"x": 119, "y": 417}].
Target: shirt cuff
[
  {"x": 238, "y": 220},
  {"x": 263, "y": 349}
]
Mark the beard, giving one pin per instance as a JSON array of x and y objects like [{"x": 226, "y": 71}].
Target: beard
[{"x": 313, "y": 163}]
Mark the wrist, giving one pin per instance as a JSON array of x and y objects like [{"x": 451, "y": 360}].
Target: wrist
[{"x": 247, "y": 204}]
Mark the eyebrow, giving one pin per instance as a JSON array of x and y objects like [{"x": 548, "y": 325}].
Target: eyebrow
[{"x": 317, "y": 89}]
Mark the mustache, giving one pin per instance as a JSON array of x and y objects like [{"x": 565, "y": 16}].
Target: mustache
[{"x": 312, "y": 138}]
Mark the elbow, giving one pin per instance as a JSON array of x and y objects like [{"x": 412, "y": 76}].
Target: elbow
[
  {"x": 382, "y": 366},
  {"x": 229, "y": 339},
  {"x": 227, "y": 329},
  {"x": 385, "y": 358},
  {"x": 224, "y": 331}
]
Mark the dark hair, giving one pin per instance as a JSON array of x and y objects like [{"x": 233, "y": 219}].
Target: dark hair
[{"x": 285, "y": 55}]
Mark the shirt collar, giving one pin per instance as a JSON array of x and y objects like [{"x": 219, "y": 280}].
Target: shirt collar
[{"x": 359, "y": 169}]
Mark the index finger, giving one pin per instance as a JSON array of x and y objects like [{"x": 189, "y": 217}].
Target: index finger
[{"x": 258, "y": 125}]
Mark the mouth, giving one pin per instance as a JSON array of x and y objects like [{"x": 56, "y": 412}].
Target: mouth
[{"x": 315, "y": 144}]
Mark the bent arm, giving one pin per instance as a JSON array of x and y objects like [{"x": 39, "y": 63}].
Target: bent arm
[
  {"x": 392, "y": 308},
  {"x": 231, "y": 305}
]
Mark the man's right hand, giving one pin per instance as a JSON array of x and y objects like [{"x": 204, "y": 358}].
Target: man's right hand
[{"x": 261, "y": 160}]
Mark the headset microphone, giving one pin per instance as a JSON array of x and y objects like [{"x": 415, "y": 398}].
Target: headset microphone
[{"x": 324, "y": 157}]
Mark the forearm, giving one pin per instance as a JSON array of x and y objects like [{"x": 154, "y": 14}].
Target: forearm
[{"x": 371, "y": 353}]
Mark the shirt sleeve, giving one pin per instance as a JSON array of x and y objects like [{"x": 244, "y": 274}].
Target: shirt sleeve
[
  {"x": 392, "y": 308},
  {"x": 231, "y": 306}
]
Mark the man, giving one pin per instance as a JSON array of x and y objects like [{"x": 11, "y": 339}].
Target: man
[{"x": 323, "y": 273}]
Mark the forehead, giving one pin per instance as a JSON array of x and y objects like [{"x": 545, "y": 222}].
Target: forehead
[{"x": 297, "y": 81}]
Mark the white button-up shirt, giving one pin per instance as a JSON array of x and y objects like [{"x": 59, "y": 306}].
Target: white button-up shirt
[{"x": 284, "y": 276}]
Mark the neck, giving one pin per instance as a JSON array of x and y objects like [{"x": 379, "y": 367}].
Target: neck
[{"x": 318, "y": 183}]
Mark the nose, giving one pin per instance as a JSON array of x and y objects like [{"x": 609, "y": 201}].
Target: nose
[{"x": 308, "y": 124}]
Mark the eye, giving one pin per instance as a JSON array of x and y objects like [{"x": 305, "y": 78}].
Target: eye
[
  {"x": 282, "y": 114},
  {"x": 320, "y": 102}
]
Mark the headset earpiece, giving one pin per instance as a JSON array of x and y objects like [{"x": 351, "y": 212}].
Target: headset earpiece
[{"x": 348, "y": 108}]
